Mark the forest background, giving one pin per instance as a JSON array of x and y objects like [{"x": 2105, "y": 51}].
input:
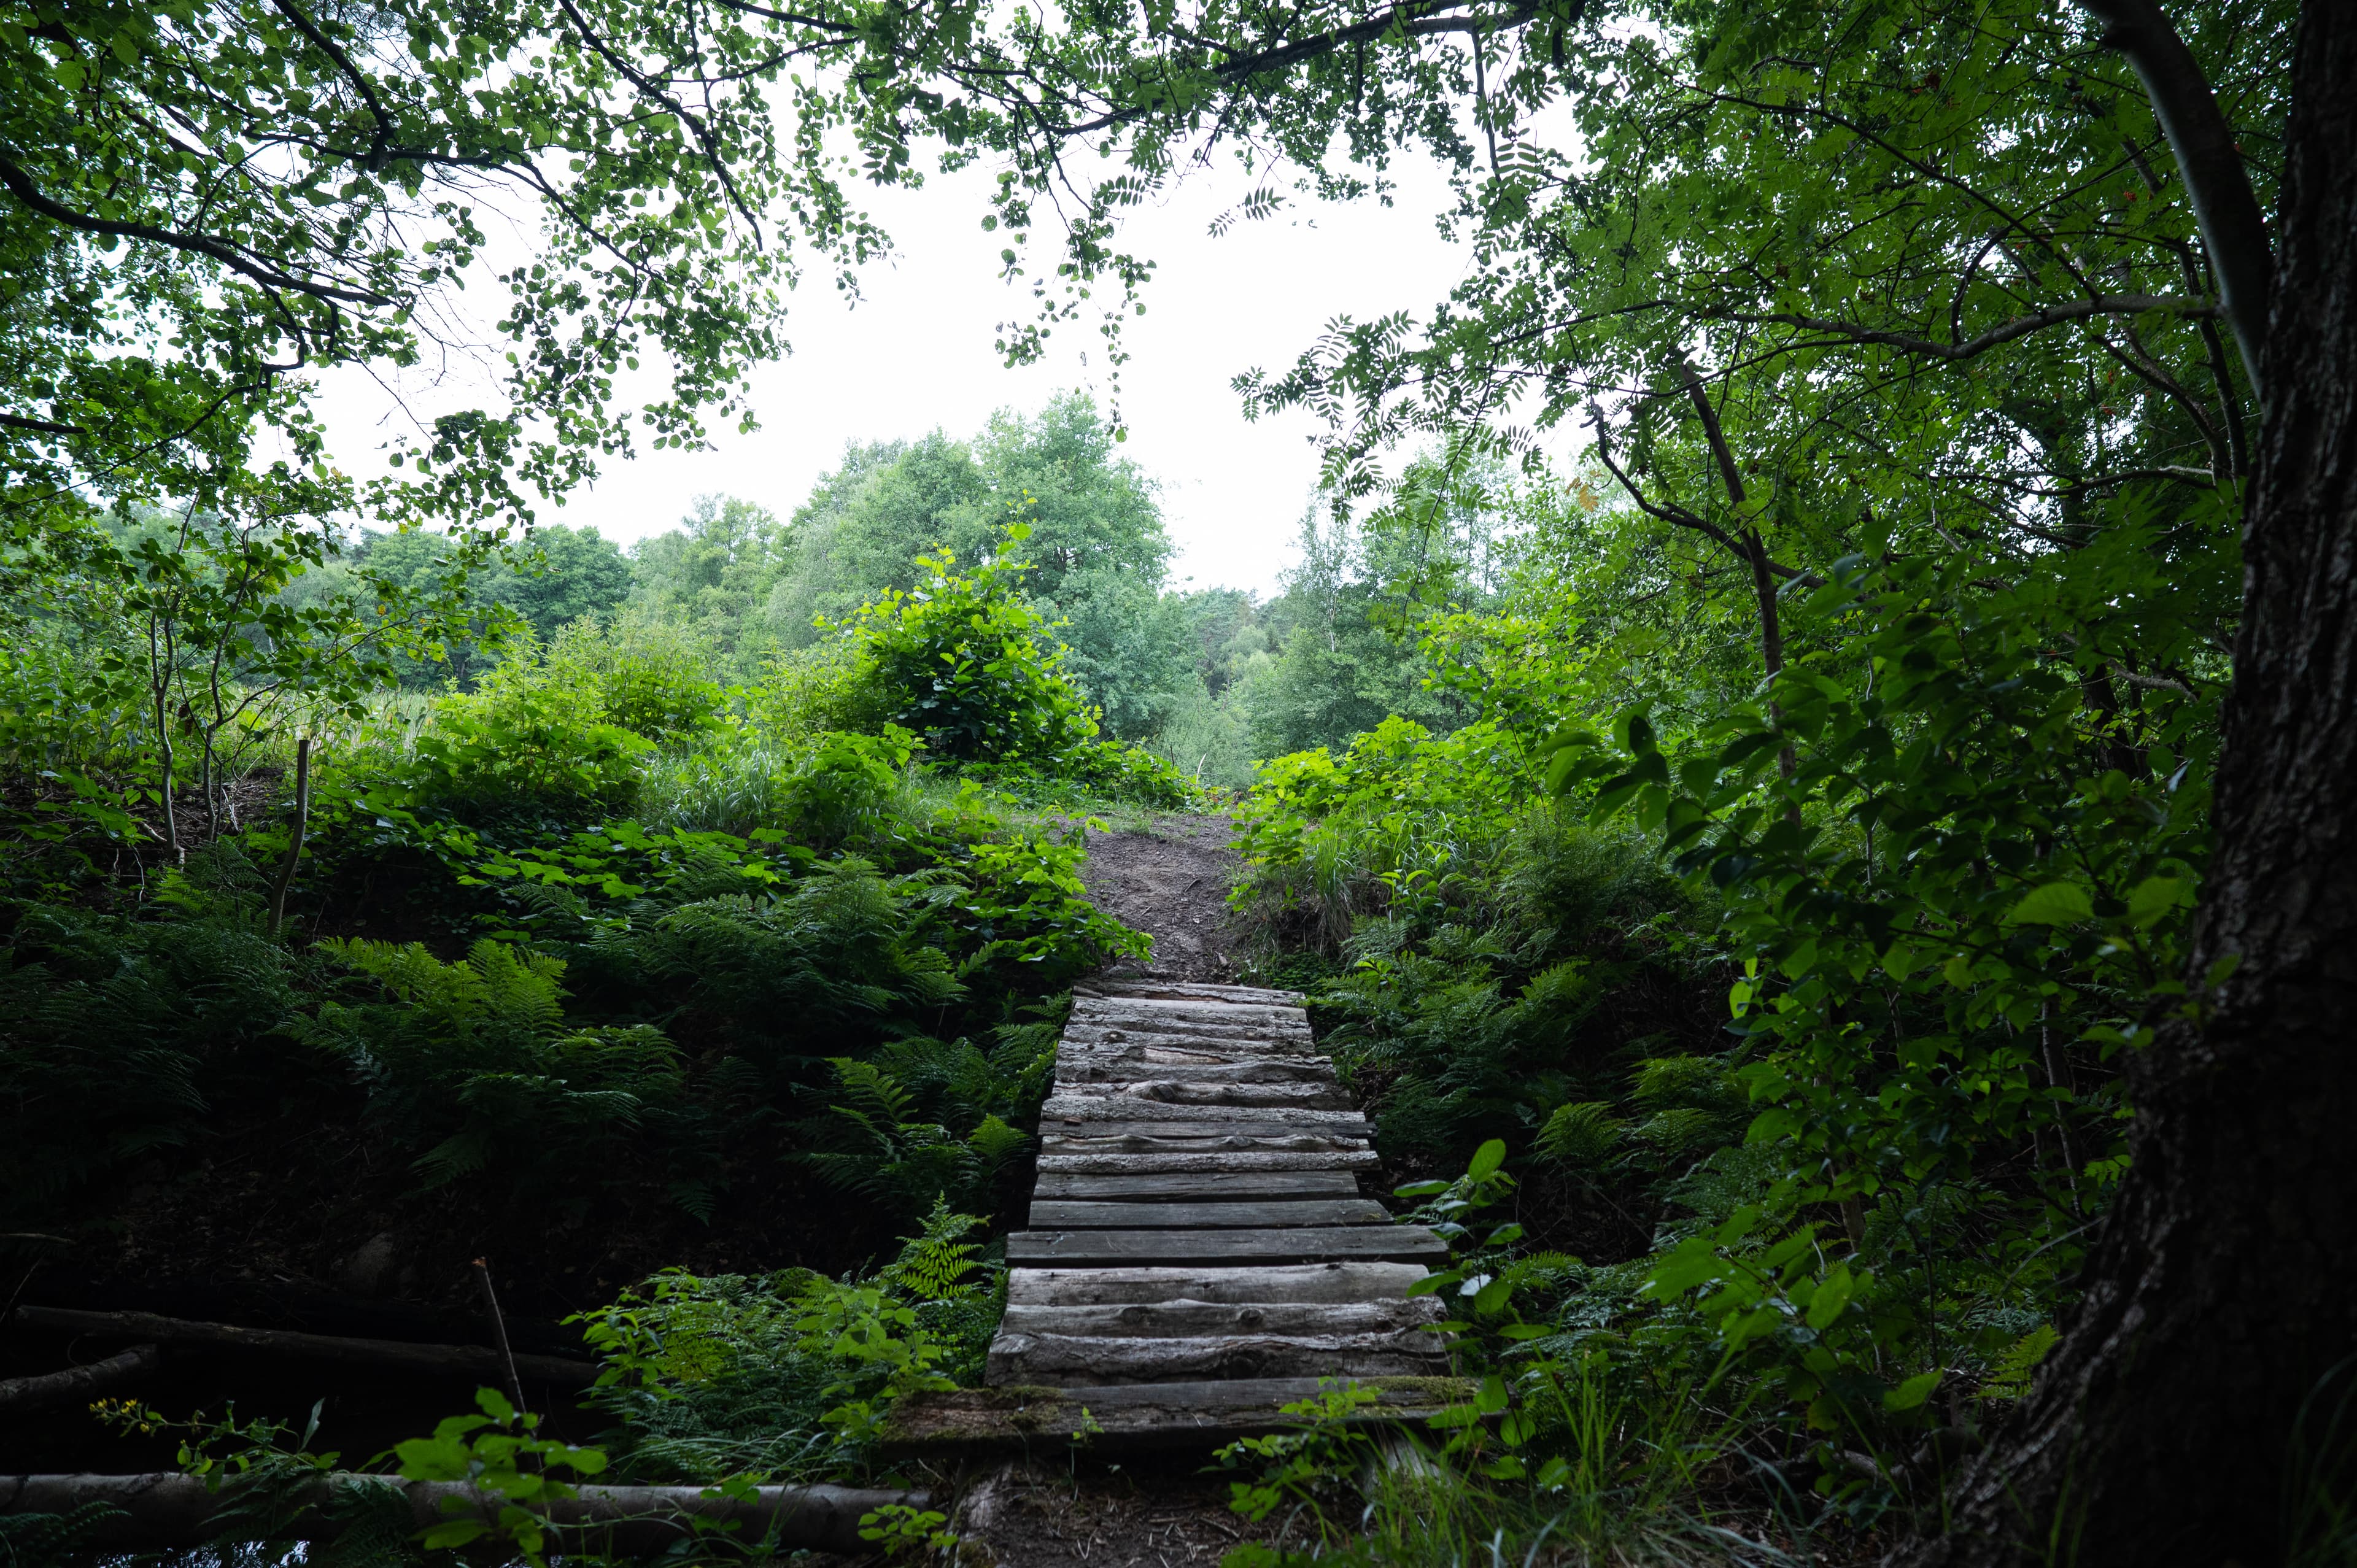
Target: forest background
[{"x": 1761, "y": 849}]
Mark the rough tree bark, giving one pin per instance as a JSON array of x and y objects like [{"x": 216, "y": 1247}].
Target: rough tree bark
[{"x": 2218, "y": 1296}]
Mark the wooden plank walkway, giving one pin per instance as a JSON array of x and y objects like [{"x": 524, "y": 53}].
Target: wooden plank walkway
[{"x": 1200, "y": 1253}]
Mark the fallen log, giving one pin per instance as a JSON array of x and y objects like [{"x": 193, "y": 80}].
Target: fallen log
[
  {"x": 457, "y": 1360},
  {"x": 76, "y": 1383},
  {"x": 155, "y": 1511}
]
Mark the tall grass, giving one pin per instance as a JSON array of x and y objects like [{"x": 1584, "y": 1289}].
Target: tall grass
[{"x": 1610, "y": 1467}]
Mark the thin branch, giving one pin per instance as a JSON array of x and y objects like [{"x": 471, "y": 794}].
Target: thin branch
[{"x": 1972, "y": 348}]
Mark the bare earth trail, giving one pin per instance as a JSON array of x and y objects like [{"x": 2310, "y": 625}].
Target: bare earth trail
[
  {"x": 1199, "y": 1254},
  {"x": 1171, "y": 884}
]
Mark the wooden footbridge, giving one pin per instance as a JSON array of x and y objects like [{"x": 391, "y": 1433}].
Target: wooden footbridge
[{"x": 1200, "y": 1254}]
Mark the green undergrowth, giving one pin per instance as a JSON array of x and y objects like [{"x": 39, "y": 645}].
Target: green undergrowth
[
  {"x": 1803, "y": 1025},
  {"x": 601, "y": 922}
]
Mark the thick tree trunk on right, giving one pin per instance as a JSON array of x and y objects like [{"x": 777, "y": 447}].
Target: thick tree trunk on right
[{"x": 2160, "y": 1432}]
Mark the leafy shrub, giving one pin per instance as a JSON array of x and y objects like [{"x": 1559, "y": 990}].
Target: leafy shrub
[
  {"x": 523, "y": 738},
  {"x": 1096, "y": 771},
  {"x": 1401, "y": 823},
  {"x": 964, "y": 661},
  {"x": 653, "y": 677},
  {"x": 830, "y": 685},
  {"x": 788, "y": 1375}
]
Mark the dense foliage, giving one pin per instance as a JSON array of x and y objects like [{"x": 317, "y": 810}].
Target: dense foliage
[{"x": 1748, "y": 844}]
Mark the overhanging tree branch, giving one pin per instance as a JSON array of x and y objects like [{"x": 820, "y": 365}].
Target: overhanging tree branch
[
  {"x": 2232, "y": 226},
  {"x": 20, "y": 185}
]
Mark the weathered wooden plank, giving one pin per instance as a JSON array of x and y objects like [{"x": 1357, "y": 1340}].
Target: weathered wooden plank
[
  {"x": 1190, "y": 991},
  {"x": 1186, "y": 1319},
  {"x": 1058, "y": 1360},
  {"x": 1192, "y": 1138},
  {"x": 1129, "y": 1417},
  {"x": 1335, "y": 1281},
  {"x": 1327, "y": 1096},
  {"x": 1183, "y": 1020},
  {"x": 1098, "y": 1108},
  {"x": 1201, "y": 1186},
  {"x": 1404, "y": 1243},
  {"x": 1105, "y": 1067},
  {"x": 1352, "y": 1157},
  {"x": 1246, "y": 1021},
  {"x": 1189, "y": 1007},
  {"x": 1062, "y": 1214},
  {"x": 1233, "y": 1048}
]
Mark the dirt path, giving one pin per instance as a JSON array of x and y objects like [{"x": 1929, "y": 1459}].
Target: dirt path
[{"x": 1171, "y": 882}]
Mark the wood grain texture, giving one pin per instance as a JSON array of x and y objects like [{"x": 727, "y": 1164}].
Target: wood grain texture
[
  {"x": 1235, "y": 1043},
  {"x": 1131, "y": 1417},
  {"x": 1059, "y": 1214},
  {"x": 1334, "y": 1282},
  {"x": 1066, "y": 1106},
  {"x": 1184, "y": 1318},
  {"x": 1059, "y": 1360},
  {"x": 1136, "y": 1066},
  {"x": 1341, "y": 1158},
  {"x": 1196, "y": 1140},
  {"x": 1159, "y": 1091},
  {"x": 1201, "y": 1186},
  {"x": 1187, "y": 991},
  {"x": 1405, "y": 1243}
]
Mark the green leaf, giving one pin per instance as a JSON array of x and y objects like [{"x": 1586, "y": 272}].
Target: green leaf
[
  {"x": 1487, "y": 1159},
  {"x": 1912, "y": 1393},
  {"x": 2155, "y": 897},
  {"x": 1833, "y": 1294},
  {"x": 2056, "y": 904},
  {"x": 453, "y": 1532}
]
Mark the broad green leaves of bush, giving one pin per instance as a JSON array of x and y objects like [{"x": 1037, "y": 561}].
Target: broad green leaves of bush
[{"x": 968, "y": 665}]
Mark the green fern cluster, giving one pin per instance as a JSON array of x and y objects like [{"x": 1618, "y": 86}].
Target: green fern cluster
[
  {"x": 478, "y": 1055},
  {"x": 889, "y": 1134},
  {"x": 114, "y": 1032},
  {"x": 786, "y": 1375}
]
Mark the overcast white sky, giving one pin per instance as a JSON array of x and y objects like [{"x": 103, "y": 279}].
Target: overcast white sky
[{"x": 917, "y": 353}]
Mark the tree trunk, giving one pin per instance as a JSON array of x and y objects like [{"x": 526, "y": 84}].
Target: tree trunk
[{"x": 2161, "y": 1430}]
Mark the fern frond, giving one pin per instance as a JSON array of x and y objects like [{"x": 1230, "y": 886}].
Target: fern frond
[{"x": 1581, "y": 1137}]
